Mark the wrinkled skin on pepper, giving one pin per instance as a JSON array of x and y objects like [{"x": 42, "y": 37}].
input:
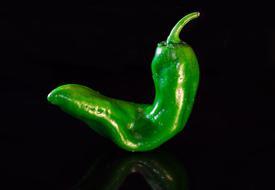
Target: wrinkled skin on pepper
[
  {"x": 160, "y": 170},
  {"x": 141, "y": 127}
]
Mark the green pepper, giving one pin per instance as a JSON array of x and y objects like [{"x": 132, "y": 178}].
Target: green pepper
[
  {"x": 159, "y": 169},
  {"x": 141, "y": 127}
]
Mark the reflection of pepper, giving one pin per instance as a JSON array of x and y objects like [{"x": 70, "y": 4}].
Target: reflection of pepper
[
  {"x": 140, "y": 127},
  {"x": 160, "y": 170}
]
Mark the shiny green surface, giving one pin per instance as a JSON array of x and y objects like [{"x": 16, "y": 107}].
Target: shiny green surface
[
  {"x": 161, "y": 171},
  {"x": 140, "y": 127}
]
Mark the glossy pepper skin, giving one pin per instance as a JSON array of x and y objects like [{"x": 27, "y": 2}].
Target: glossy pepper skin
[{"x": 141, "y": 127}]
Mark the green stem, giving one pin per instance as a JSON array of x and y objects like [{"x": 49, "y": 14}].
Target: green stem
[{"x": 174, "y": 34}]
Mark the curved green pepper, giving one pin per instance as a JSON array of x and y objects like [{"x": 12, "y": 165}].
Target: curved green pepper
[
  {"x": 160, "y": 170},
  {"x": 141, "y": 127}
]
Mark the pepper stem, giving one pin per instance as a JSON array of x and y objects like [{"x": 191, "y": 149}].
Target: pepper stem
[{"x": 174, "y": 34}]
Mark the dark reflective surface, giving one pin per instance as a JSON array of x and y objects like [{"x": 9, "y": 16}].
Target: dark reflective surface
[
  {"x": 229, "y": 140},
  {"x": 159, "y": 169}
]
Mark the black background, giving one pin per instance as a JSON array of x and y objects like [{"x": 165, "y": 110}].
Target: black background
[{"x": 229, "y": 140}]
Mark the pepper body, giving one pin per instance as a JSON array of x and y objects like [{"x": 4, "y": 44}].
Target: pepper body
[{"x": 141, "y": 127}]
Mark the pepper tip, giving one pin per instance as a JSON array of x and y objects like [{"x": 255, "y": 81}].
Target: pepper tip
[{"x": 51, "y": 97}]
